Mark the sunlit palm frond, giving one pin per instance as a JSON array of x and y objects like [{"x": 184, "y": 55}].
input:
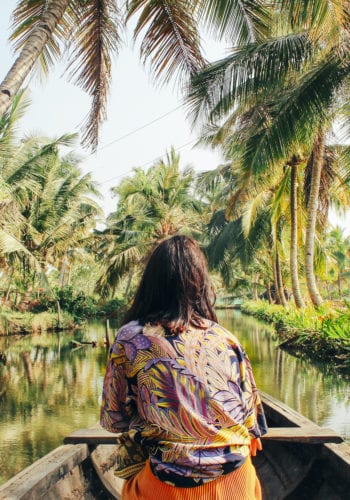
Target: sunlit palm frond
[
  {"x": 281, "y": 196},
  {"x": 238, "y": 22},
  {"x": 95, "y": 37},
  {"x": 170, "y": 37},
  {"x": 118, "y": 264},
  {"x": 248, "y": 71},
  {"x": 211, "y": 178},
  {"x": 252, "y": 209},
  {"x": 10, "y": 244},
  {"x": 294, "y": 119},
  {"x": 9, "y": 122},
  {"x": 319, "y": 17}
]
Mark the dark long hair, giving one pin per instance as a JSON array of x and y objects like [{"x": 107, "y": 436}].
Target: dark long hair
[{"x": 175, "y": 289}]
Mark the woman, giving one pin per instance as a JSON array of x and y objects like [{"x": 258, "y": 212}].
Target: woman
[{"x": 182, "y": 386}]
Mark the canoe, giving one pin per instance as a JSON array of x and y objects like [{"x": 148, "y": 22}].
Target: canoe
[{"x": 300, "y": 460}]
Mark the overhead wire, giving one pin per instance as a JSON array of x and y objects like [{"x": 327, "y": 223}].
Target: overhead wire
[
  {"x": 148, "y": 162},
  {"x": 139, "y": 128}
]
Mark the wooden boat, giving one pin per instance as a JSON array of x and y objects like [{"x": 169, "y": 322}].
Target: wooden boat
[{"x": 300, "y": 461}]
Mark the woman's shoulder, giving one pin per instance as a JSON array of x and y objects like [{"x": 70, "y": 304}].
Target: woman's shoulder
[
  {"x": 225, "y": 334},
  {"x": 129, "y": 330},
  {"x": 217, "y": 328}
]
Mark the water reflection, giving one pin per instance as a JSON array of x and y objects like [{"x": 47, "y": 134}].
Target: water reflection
[{"x": 48, "y": 388}]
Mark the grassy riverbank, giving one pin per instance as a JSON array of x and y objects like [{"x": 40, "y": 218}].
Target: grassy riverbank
[
  {"x": 322, "y": 335},
  {"x": 14, "y": 322}
]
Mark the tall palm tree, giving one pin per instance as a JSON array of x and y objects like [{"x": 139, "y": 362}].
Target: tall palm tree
[
  {"x": 170, "y": 42},
  {"x": 294, "y": 183},
  {"x": 339, "y": 247},
  {"x": 234, "y": 238}
]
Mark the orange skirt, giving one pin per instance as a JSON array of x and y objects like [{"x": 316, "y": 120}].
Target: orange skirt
[{"x": 241, "y": 484}]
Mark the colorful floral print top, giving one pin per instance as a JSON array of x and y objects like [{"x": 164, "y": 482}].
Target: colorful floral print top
[{"x": 189, "y": 399}]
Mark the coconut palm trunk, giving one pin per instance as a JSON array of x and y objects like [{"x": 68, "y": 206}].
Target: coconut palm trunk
[
  {"x": 268, "y": 291},
  {"x": 312, "y": 206},
  {"x": 30, "y": 52},
  {"x": 255, "y": 280},
  {"x": 339, "y": 284},
  {"x": 275, "y": 280},
  {"x": 298, "y": 299},
  {"x": 279, "y": 280},
  {"x": 63, "y": 273}
]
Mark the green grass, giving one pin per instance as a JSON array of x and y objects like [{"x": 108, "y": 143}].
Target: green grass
[{"x": 12, "y": 322}]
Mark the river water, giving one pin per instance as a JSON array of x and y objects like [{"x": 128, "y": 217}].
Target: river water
[{"x": 48, "y": 388}]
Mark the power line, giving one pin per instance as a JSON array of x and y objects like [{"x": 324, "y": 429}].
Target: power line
[
  {"x": 138, "y": 129},
  {"x": 147, "y": 163}
]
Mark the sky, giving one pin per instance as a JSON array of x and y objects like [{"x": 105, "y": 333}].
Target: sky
[{"x": 144, "y": 121}]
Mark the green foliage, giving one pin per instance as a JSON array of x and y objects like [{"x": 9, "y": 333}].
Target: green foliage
[
  {"x": 78, "y": 304},
  {"x": 113, "y": 308},
  {"x": 307, "y": 319},
  {"x": 337, "y": 327},
  {"x": 152, "y": 205},
  {"x": 322, "y": 334}
]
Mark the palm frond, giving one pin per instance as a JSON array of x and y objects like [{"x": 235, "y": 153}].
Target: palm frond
[
  {"x": 224, "y": 237},
  {"x": 294, "y": 119},
  {"x": 237, "y": 22},
  {"x": 118, "y": 265},
  {"x": 170, "y": 37},
  {"x": 9, "y": 122},
  {"x": 248, "y": 71},
  {"x": 10, "y": 244},
  {"x": 95, "y": 38},
  {"x": 251, "y": 211},
  {"x": 318, "y": 16}
]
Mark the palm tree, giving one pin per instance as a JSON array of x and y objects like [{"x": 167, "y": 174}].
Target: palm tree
[
  {"x": 339, "y": 247},
  {"x": 170, "y": 40},
  {"x": 294, "y": 183},
  {"x": 152, "y": 205},
  {"x": 53, "y": 200},
  {"x": 234, "y": 238}
]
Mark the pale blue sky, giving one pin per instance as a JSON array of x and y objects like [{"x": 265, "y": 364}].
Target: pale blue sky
[{"x": 59, "y": 107}]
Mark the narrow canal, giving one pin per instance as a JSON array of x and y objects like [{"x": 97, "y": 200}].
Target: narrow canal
[{"x": 48, "y": 388}]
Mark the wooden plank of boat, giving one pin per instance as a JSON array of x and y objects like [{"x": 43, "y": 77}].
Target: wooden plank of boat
[
  {"x": 46, "y": 476},
  {"x": 103, "y": 460},
  {"x": 307, "y": 435}
]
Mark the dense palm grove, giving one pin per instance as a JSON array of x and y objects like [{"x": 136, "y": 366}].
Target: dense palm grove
[{"x": 271, "y": 106}]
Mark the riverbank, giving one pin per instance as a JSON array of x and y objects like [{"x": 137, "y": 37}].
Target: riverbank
[
  {"x": 322, "y": 335},
  {"x": 16, "y": 322}
]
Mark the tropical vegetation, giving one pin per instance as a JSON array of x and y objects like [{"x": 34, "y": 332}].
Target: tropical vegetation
[{"x": 322, "y": 335}]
